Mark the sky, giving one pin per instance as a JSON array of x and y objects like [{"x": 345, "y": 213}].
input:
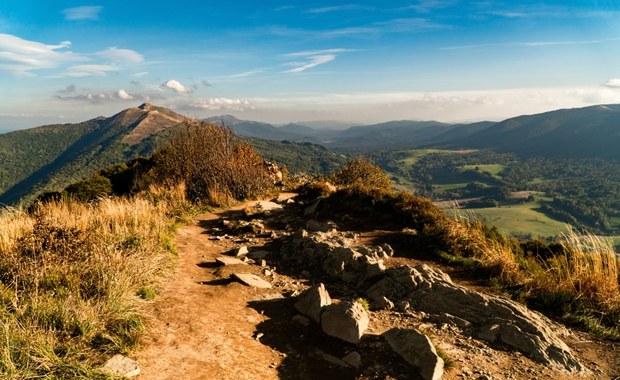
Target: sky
[{"x": 276, "y": 61}]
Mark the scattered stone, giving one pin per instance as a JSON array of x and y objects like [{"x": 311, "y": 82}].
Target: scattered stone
[
  {"x": 300, "y": 319},
  {"x": 346, "y": 320},
  {"x": 382, "y": 303},
  {"x": 252, "y": 280},
  {"x": 258, "y": 336},
  {"x": 259, "y": 255},
  {"x": 121, "y": 366},
  {"x": 311, "y": 302},
  {"x": 417, "y": 350},
  {"x": 334, "y": 360},
  {"x": 267, "y": 206},
  {"x": 263, "y": 263},
  {"x": 311, "y": 210},
  {"x": 242, "y": 251},
  {"x": 314, "y": 225},
  {"x": 353, "y": 359},
  {"x": 227, "y": 260}
]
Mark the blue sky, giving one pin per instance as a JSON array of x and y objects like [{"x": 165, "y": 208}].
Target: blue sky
[{"x": 360, "y": 61}]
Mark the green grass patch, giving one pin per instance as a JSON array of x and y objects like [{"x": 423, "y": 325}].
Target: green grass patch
[
  {"x": 493, "y": 169},
  {"x": 518, "y": 220}
]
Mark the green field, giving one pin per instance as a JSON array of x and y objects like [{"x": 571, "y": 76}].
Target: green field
[
  {"x": 518, "y": 220},
  {"x": 493, "y": 169}
]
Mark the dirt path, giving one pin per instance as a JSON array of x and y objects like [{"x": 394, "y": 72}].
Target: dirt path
[{"x": 202, "y": 327}]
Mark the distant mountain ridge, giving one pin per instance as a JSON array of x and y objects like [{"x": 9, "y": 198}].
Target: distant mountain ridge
[{"x": 50, "y": 157}]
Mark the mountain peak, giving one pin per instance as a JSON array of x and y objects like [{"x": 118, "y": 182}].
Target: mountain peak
[{"x": 145, "y": 106}]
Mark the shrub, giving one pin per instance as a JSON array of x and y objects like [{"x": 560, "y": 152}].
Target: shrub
[
  {"x": 90, "y": 188},
  {"x": 361, "y": 173},
  {"x": 214, "y": 165}
]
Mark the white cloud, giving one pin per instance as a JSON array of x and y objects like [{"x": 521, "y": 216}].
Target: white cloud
[
  {"x": 82, "y": 13},
  {"x": 21, "y": 56},
  {"x": 89, "y": 71},
  {"x": 140, "y": 74},
  {"x": 122, "y": 94},
  {"x": 176, "y": 86},
  {"x": 315, "y": 60},
  {"x": 246, "y": 74},
  {"x": 340, "y": 8},
  {"x": 318, "y": 52},
  {"x": 612, "y": 83},
  {"x": 216, "y": 104},
  {"x": 123, "y": 56}
]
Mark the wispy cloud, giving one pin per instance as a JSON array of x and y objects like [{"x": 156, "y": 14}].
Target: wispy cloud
[
  {"x": 216, "y": 104},
  {"x": 89, "y": 71},
  {"x": 315, "y": 60},
  {"x": 317, "y": 52},
  {"x": 123, "y": 56},
  {"x": 21, "y": 57},
  {"x": 340, "y": 8},
  {"x": 206, "y": 83},
  {"x": 80, "y": 95},
  {"x": 83, "y": 13},
  {"x": 176, "y": 86},
  {"x": 531, "y": 44},
  {"x": 425, "y": 6},
  {"x": 246, "y": 74}
]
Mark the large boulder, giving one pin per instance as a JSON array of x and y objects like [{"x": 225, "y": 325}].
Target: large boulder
[
  {"x": 346, "y": 320},
  {"x": 312, "y": 301},
  {"x": 417, "y": 350}
]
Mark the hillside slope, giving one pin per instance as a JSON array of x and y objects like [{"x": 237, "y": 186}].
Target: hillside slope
[{"x": 568, "y": 133}]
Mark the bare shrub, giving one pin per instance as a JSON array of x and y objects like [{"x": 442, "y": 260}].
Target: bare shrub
[{"x": 214, "y": 165}]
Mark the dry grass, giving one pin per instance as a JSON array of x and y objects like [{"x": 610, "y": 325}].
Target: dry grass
[{"x": 71, "y": 280}]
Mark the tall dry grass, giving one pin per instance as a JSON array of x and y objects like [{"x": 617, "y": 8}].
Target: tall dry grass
[{"x": 73, "y": 277}]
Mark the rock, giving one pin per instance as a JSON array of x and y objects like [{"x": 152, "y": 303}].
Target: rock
[
  {"x": 259, "y": 255},
  {"x": 227, "y": 260},
  {"x": 268, "y": 206},
  {"x": 417, "y": 350},
  {"x": 311, "y": 302},
  {"x": 311, "y": 210},
  {"x": 314, "y": 225},
  {"x": 346, "y": 320},
  {"x": 382, "y": 304},
  {"x": 252, "y": 280},
  {"x": 353, "y": 359},
  {"x": 300, "y": 319},
  {"x": 120, "y": 365},
  {"x": 242, "y": 252},
  {"x": 334, "y": 360}
]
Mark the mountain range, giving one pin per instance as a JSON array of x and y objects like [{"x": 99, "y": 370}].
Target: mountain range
[{"x": 49, "y": 157}]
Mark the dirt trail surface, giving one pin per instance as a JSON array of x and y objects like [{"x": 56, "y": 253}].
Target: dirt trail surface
[{"x": 206, "y": 325}]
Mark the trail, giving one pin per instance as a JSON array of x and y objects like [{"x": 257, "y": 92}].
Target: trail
[{"x": 202, "y": 327}]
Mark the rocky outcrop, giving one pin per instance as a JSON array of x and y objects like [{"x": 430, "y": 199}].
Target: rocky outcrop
[
  {"x": 332, "y": 254},
  {"x": 430, "y": 290},
  {"x": 417, "y": 350},
  {"x": 492, "y": 318}
]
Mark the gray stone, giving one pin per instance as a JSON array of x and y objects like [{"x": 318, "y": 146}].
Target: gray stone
[
  {"x": 252, "y": 280},
  {"x": 259, "y": 255},
  {"x": 417, "y": 350},
  {"x": 314, "y": 225},
  {"x": 227, "y": 260},
  {"x": 311, "y": 210},
  {"x": 353, "y": 359},
  {"x": 268, "y": 206},
  {"x": 346, "y": 320},
  {"x": 311, "y": 302},
  {"x": 242, "y": 252},
  {"x": 300, "y": 319},
  {"x": 334, "y": 360},
  {"x": 382, "y": 304},
  {"x": 120, "y": 365}
]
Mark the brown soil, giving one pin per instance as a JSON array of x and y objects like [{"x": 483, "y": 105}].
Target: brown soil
[{"x": 206, "y": 326}]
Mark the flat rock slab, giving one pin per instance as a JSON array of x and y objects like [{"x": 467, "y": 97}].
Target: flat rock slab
[
  {"x": 268, "y": 206},
  {"x": 121, "y": 366},
  {"x": 226, "y": 260},
  {"x": 252, "y": 280}
]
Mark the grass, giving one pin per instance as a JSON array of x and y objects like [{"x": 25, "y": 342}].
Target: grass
[
  {"x": 519, "y": 220},
  {"x": 74, "y": 277},
  {"x": 493, "y": 169}
]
